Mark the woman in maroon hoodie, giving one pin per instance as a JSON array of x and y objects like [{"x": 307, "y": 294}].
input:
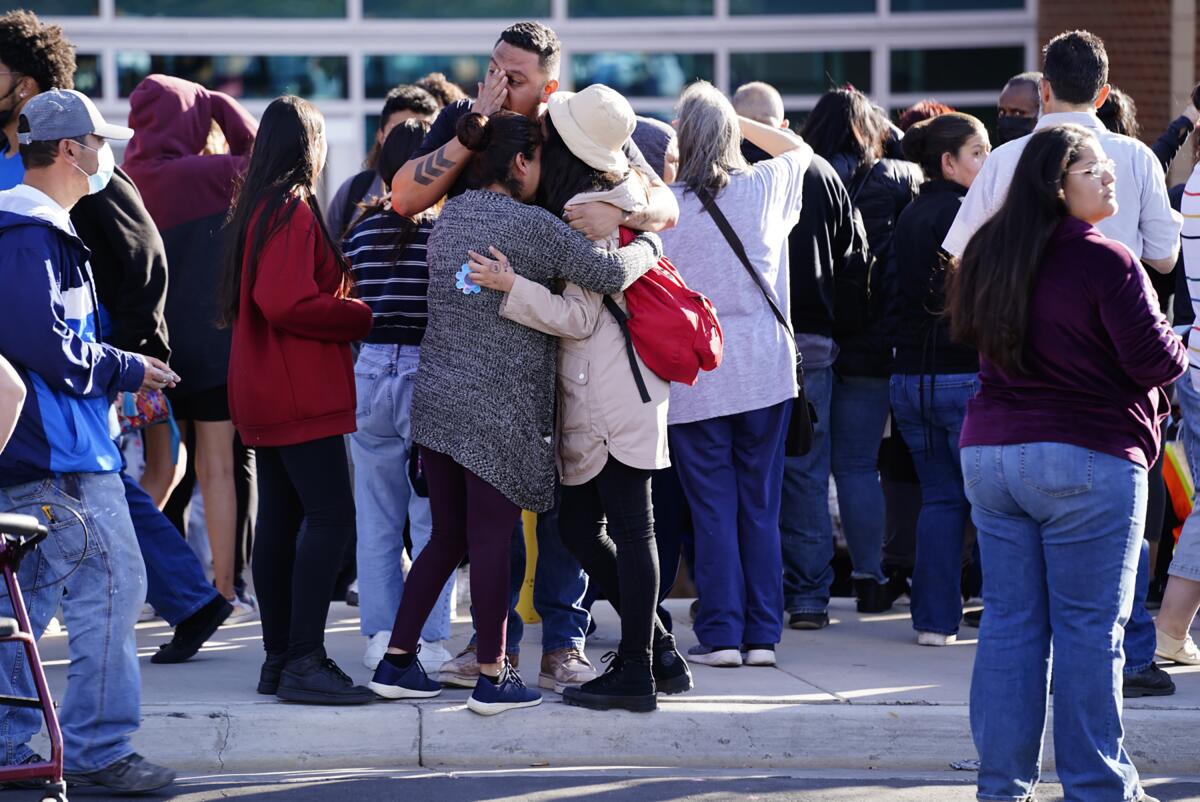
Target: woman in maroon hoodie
[
  {"x": 190, "y": 146},
  {"x": 291, "y": 393}
]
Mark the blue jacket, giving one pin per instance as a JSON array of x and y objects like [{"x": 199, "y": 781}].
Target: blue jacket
[{"x": 49, "y": 331}]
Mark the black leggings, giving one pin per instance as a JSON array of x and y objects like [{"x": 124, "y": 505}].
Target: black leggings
[
  {"x": 307, "y": 483},
  {"x": 623, "y": 560}
]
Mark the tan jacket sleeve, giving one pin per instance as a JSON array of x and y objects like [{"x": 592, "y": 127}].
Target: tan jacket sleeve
[{"x": 572, "y": 315}]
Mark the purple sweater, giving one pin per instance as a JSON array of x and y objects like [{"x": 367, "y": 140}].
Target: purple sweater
[{"x": 1099, "y": 353}]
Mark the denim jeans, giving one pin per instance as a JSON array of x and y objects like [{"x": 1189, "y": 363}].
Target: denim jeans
[
  {"x": 731, "y": 469},
  {"x": 1185, "y": 563},
  {"x": 95, "y": 571},
  {"x": 847, "y": 408},
  {"x": 559, "y": 586},
  {"x": 1059, "y": 531},
  {"x": 383, "y": 493},
  {"x": 929, "y": 412},
  {"x": 175, "y": 582}
]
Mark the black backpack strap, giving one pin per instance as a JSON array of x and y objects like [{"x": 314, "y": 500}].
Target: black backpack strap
[
  {"x": 360, "y": 184},
  {"x": 623, "y": 322}
]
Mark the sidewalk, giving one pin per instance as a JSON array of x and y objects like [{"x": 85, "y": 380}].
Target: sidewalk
[{"x": 858, "y": 695}]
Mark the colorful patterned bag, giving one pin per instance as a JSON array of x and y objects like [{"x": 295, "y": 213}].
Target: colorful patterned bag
[{"x": 136, "y": 411}]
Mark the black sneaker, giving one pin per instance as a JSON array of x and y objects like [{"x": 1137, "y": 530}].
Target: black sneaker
[
  {"x": 971, "y": 618},
  {"x": 670, "y": 670},
  {"x": 316, "y": 680},
  {"x": 272, "y": 670},
  {"x": 193, "y": 631},
  {"x": 625, "y": 685},
  {"x": 35, "y": 784},
  {"x": 132, "y": 775},
  {"x": 808, "y": 620},
  {"x": 1152, "y": 681},
  {"x": 873, "y": 596}
]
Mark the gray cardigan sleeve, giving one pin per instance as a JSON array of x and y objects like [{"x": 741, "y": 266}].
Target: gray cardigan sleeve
[{"x": 578, "y": 260}]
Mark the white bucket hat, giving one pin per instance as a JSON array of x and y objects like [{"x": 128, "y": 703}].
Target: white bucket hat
[{"x": 594, "y": 124}]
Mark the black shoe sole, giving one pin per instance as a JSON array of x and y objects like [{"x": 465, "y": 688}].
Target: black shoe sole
[
  {"x": 809, "y": 625},
  {"x": 267, "y": 688},
  {"x": 300, "y": 696},
  {"x": 1137, "y": 693},
  {"x": 167, "y": 655},
  {"x": 869, "y": 609},
  {"x": 595, "y": 701},
  {"x": 680, "y": 684}
]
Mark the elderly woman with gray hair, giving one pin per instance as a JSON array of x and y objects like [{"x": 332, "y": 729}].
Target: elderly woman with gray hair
[{"x": 727, "y": 432}]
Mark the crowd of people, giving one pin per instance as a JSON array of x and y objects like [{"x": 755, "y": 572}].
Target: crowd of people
[{"x": 663, "y": 340}]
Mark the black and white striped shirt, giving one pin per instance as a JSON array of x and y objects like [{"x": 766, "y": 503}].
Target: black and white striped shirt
[{"x": 393, "y": 283}]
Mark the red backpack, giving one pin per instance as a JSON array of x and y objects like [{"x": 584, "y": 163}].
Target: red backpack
[{"x": 673, "y": 328}]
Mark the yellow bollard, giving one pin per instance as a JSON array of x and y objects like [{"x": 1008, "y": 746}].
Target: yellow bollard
[{"x": 525, "y": 601}]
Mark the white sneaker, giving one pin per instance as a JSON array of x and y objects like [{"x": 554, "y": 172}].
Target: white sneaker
[
  {"x": 759, "y": 657},
  {"x": 377, "y": 646},
  {"x": 433, "y": 654},
  {"x": 241, "y": 612},
  {"x": 719, "y": 658},
  {"x": 935, "y": 639},
  {"x": 1179, "y": 651}
]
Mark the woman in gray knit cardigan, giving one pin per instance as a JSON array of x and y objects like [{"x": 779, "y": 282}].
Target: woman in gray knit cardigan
[{"x": 483, "y": 406}]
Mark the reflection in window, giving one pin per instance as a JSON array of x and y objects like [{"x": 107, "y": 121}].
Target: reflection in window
[
  {"x": 384, "y": 72},
  {"x": 87, "y": 75},
  {"x": 802, "y": 73},
  {"x": 458, "y": 9},
  {"x": 639, "y": 8},
  {"x": 952, "y": 70},
  {"x": 231, "y": 8},
  {"x": 641, "y": 74},
  {"x": 313, "y": 77},
  {"x": 900, "y": 6},
  {"x": 803, "y": 6},
  {"x": 51, "y": 8}
]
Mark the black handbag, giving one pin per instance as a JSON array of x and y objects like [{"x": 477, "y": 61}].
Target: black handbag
[{"x": 801, "y": 428}]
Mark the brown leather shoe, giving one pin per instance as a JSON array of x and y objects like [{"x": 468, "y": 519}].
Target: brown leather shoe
[
  {"x": 463, "y": 670},
  {"x": 565, "y": 668}
]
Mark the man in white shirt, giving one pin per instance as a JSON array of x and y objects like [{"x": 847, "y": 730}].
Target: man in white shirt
[{"x": 1074, "y": 84}]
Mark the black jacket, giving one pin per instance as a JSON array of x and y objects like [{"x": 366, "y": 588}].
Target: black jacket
[
  {"x": 914, "y": 293},
  {"x": 879, "y": 195},
  {"x": 129, "y": 266}
]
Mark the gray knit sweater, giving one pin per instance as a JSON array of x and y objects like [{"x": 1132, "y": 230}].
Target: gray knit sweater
[{"x": 485, "y": 387}]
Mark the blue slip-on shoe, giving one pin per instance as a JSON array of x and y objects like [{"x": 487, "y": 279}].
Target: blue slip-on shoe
[
  {"x": 391, "y": 682},
  {"x": 509, "y": 693}
]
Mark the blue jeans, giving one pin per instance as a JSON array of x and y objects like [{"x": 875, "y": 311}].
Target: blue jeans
[
  {"x": 1059, "y": 531},
  {"x": 384, "y": 495},
  {"x": 930, "y": 423},
  {"x": 175, "y": 582},
  {"x": 731, "y": 469},
  {"x": 805, "y": 524},
  {"x": 95, "y": 571}
]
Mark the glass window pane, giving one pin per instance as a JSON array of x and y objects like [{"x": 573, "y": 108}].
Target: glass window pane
[
  {"x": 802, "y": 6},
  {"x": 953, "y": 70},
  {"x": 384, "y": 72},
  {"x": 87, "y": 75},
  {"x": 985, "y": 115},
  {"x": 507, "y": 9},
  {"x": 902, "y": 6},
  {"x": 641, "y": 74},
  {"x": 314, "y": 77},
  {"x": 231, "y": 8},
  {"x": 640, "y": 8},
  {"x": 51, "y": 8},
  {"x": 802, "y": 73}
]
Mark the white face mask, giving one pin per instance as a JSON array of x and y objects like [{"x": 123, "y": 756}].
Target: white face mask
[{"x": 106, "y": 164}]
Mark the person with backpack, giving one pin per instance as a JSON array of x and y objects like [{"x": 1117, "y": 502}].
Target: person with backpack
[
  {"x": 612, "y": 431},
  {"x": 727, "y": 431}
]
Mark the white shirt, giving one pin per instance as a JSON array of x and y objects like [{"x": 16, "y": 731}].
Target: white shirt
[{"x": 1144, "y": 222}]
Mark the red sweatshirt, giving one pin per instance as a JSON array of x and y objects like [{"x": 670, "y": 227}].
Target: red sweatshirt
[{"x": 291, "y": 375}]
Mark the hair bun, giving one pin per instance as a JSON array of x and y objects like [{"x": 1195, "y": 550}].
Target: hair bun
[
  {"x": 916, "y": 141},
  {"x": 473, "y": 131}
]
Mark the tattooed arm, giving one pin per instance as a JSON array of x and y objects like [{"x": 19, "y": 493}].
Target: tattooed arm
[{"x": 423, "y": 180}]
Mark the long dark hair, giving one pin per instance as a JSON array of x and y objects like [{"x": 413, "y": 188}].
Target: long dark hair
[
  {"x": 927, "y": 140},
  {"x": 495, "y": 142},
  {"x": 843, "y": 121},
  {"x": 282, "y": 172},
  {"x": 989, "y": 293},
  {"x": 402, "y": 140},
  {"x": 565, "y": 175}
]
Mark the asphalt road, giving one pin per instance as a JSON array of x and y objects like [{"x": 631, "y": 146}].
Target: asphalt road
[{"x": 613, "y": 785}]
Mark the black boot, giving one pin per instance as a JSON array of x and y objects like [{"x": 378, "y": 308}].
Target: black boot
[
  {"x": 272, "y": 669},
  {"x": 873, "y": 597},
  {"x": 671, "y": 672},
  {"x": 193, "y": 631},
  {"x": 626, "y": 685},
  {"x": 316, "y": 680}
]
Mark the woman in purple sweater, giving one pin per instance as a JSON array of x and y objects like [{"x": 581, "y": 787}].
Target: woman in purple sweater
[{"x": 1073, "y": 357}]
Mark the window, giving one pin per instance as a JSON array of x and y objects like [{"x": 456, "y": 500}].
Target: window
[
  {"x": 985, "y": 115},
  {"x": 802, "y": 73},
  {"x": 902, "y": 6},
  {"x": 955, "y": 70},
  {"x": 641, "y": 74},
  {"x": 458, "y": 9},
  {"x": 87, "y": 75},
  {"x": 52, "y": 8},
  {"x": 803, "y": 6},
  {"x": 313, "y": 77},
  {"x": 384, "y": 72},
  {"x": 640, "y": 8},
  {"x": 232, "y": 8}
]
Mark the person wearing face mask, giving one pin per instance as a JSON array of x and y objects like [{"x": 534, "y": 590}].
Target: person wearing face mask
[
  {"x": 62, "y": 463},
  {"x": 1017, "y": 107}
]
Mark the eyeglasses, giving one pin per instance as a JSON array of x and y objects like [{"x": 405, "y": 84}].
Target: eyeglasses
[{"x": 1097, "y": 170}]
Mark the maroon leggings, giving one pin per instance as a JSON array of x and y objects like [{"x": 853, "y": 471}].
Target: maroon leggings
[{"x": 469, "y": 517}]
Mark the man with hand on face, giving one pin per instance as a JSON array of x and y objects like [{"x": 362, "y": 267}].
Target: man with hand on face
[
  {"x": 62, "y": 463},
  {"x": 1018, "y": 107}
]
